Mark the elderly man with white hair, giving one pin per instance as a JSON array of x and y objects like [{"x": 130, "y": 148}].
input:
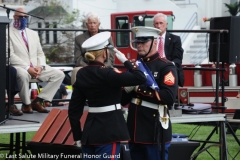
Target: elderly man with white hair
[
  {"x": 169, "y": 45},
  {"x": 92, "y": 22}
]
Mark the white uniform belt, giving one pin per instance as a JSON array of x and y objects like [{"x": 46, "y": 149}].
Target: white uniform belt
[
  {"x": 140, "y": 102},
  {"x": 104, "y": 109}
]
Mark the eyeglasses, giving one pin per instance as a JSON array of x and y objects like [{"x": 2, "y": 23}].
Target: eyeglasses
[{"x": 22, "y": 16}]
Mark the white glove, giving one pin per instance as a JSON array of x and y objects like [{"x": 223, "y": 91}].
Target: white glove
[
  {"x": 129, "y": 89},
  {"x": 136, "y": 88},
  {"x": 78, "y": 143},
  {"x": 121, "y": 57}
]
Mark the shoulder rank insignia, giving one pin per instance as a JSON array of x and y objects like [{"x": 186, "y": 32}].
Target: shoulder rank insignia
[{"x": 169, "y": 79}]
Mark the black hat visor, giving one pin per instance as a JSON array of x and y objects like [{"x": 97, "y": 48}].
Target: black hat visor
[{"x": 142, "y": 39}]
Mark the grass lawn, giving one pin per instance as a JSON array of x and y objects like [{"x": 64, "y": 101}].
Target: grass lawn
[
  {"x": 201, "y": 133},
  {"x": 188, "y": 129},
  {"x": 5, "y": 139}
]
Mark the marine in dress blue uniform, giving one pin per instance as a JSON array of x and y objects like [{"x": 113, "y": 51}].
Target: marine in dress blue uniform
[
  {"x": 145, "y": 125},
  {"x": 105, "y": 126}
]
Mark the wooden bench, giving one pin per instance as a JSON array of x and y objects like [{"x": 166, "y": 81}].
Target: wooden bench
[{"x": 54, "y": 136}]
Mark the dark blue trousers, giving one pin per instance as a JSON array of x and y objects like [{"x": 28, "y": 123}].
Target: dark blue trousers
[
  {"x": 13, "y": 83},
  {"x": 147, "y": 151},
  {"x": 101, "y": 152}
]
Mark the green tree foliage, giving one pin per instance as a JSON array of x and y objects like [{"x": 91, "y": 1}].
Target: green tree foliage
[
  {"x": 74, "y": 16},
  {"x": 54, "y": 11}
]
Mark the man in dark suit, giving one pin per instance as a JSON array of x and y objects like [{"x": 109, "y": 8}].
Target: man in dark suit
[
  {"x": 92, "y": 22},
  {"x": 173, "y": 50}
]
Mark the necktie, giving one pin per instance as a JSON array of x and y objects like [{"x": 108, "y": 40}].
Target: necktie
[
  {"x": 161, "y": 47},
  {"x": 25, "y": 41}
]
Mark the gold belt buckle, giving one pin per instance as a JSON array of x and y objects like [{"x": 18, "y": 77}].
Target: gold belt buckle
[{"x": 138, "y": 101}]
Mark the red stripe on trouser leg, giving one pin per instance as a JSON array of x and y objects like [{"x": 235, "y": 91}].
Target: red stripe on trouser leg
[{"x": 114, "y": 147}]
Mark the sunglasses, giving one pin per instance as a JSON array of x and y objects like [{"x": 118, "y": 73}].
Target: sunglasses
[{"x": 22, "y": 16}]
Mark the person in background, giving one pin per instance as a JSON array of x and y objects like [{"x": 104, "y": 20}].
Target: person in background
[
  {"x": 93, "y": 23},
  {"x": 14, "y": 89},
  {"x": 60, "y": 94},
  {"x": 172, "y": 46},
  {"x": 105, "y": 126},
  {"x": 148, "y": 118},
  {"x": 30, "y": 62},
  {"x": 235, "y": 116}
]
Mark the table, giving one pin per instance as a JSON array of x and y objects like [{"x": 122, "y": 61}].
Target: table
[
  {"x": 17, "y": 138},
  {"x": 64, "y": 69},
  {"x": 191, "y": 118},
  {"x": 17, "y": 130},
  {"x": 218, "y": 117}
]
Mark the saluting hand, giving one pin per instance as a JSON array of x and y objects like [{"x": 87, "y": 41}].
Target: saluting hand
[{"x": 121, "y": 57}]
